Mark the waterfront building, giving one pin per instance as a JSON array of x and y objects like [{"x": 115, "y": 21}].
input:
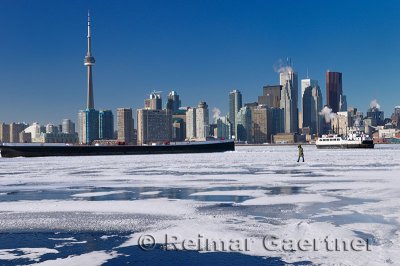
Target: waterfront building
[
  {"x": 223, "y": 128},
  {"x": 15, "y": 129},
  {"x": 191, "y": 123},
  {"x": 262, "y": 124},
  {"x": 180, "y": 115},
  {"x": 202, "y": 121},
  {"x": 277, "y": 120},
  {"x": 50, "y": 128},
  {"x": 243, "y": 124},
  {"x": 4, "y": 132},
  {"x": 153, "y": 126},
  {"x": 235, "y": 103},
  {"x": 34, "y": 130},
  {"x": 178, "y": 129},
  {"x": 68, "y": 126},
  {"x": 125, "y": 125},
  {"x": 396, "y": 117},
  {"x": 340, "y": 123},
  {"x": 106, "y": 124},
  {"x": 88, "y": 121},
  {"x": 25, "y": 137}
]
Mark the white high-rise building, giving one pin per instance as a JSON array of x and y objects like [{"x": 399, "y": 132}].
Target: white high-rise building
[
  {"x": 202, "y": 121},
  {"x": 191, "y": 123},
  {"x": 289, "y": 99}
]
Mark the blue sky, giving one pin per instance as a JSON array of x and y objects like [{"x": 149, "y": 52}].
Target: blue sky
[{"x": 201, "y": 49}]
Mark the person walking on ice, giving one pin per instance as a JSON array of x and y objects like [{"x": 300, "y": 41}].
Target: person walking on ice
[{"x": 301, "y": 153}]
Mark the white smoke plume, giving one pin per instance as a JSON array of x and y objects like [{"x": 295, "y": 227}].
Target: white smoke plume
[
  {"x": 374, "y": 104},
  {"x": 216, "y": 113},
  {"x": 281, "y": 67},
  {"x": 327, "y": 113}
]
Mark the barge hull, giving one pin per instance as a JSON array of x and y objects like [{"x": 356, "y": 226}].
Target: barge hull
[{"x": 46, "y": 151}]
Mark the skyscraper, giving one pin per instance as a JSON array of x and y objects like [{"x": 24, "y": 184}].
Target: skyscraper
[
  {"x": 154, "y": 102},
  {"x": 191, "y": 123},
  {"x": 262, "y": 124},
  {"x": 202, "y": 121},
  {"x": 235, "y": 103},
  {"x": 333, "y": 90},
  {"x": 243, "y": 124},
  {"x": 88, "y": 121},
  {"x": 271, "y": 96},
  {"x": 4, "y": 132},
  {"x": 106, "y": 124},
  {"x": 153, "y": 126},
  {"x": 305, "y": 83},
  {"x": 125, "y": 125},
  {"x": 173, "y": 102},
  {"x": 312, "y": 105},
  {"x": 68, "y": 126},
  {"x": 289, "y": 99},
  {"x": 89, "y": 118},
  {"x": 15, "y": 129}
]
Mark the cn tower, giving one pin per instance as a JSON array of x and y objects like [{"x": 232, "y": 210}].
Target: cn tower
[{"x": 89, "y": 62}]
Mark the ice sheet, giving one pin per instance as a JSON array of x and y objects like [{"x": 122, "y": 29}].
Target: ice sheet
[{"x": 343, "y": 194}]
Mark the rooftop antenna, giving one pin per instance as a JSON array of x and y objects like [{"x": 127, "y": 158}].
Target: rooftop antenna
[{"x": 307, "y": 72}]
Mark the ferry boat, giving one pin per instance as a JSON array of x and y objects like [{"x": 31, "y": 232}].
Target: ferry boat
[
  {"x": 44, "y": 150},
  {"x": 351, "y": 141}
]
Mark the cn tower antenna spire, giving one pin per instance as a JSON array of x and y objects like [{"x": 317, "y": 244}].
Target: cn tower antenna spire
[{"x": 89, "y": 62}]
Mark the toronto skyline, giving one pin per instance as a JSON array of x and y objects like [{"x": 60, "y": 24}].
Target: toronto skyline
[{"x": 202, "y": 50}]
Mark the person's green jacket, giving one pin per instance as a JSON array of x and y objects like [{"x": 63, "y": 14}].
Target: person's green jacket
[{"x": 301, "y": 151}]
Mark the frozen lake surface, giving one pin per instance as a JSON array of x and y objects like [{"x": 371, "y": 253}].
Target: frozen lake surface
[{"x": 96, "y": 210}]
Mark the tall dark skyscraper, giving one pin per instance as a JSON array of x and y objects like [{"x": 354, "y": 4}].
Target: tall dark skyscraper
[
  {"x": 106, "y": 124},
  {"x": 333, "y": 90},
  {"x": 312, "y": 105},
  {"x": 173, "y": 102},
  {"x": 235, "y": 103},
  {"x": 89, "y": 118}
]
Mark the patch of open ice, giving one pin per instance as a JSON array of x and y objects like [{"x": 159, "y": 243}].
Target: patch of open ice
[
  {"x": 288, "y": 199},
  {"x": 97, "y": 194},
  {"x": 94, "y": 258},
  {"x": 151, "y": 192},
  {"x": 159, "y": 206},
  {"x": 253, "y": 193}
]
